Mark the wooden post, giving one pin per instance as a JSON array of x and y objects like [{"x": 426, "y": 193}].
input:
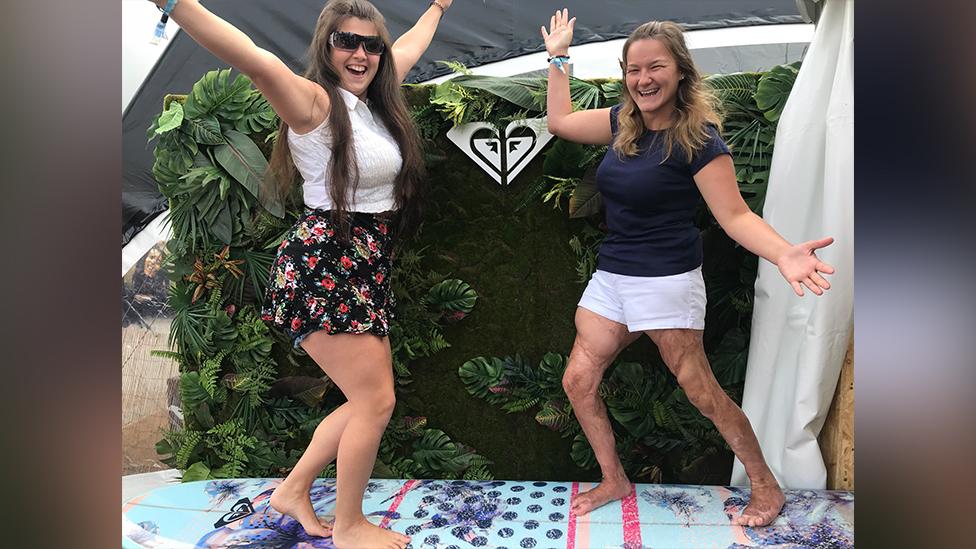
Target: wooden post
[{"x": 837, "y": 436}]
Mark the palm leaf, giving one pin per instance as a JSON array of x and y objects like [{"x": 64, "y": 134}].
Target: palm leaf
[
  {"x": 736, "y": 87},
  {"x": 517, "y": 90},
  {"x": 583, "y": 94}
]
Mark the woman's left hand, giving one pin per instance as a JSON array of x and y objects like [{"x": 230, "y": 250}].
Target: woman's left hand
[{"x": 800, "y": 266}]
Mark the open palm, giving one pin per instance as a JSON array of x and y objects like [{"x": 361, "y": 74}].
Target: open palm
[
  {"x": 801, "y": 267},
  {"x": 560, "y": 32}
]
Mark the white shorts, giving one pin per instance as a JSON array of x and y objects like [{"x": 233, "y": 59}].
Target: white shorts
[{"x": 648, "y": 302}]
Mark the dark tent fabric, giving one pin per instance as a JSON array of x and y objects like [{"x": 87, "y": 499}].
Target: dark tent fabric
[{"x": 472, "y": 32}]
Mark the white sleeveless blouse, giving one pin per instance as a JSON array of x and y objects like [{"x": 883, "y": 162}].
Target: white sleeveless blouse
[{"x": 377, "y": 155}]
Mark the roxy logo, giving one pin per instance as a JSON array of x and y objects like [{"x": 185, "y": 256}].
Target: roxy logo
[
  {"x": 239, "y": 510},
  {"x": 503, "y": 154}
]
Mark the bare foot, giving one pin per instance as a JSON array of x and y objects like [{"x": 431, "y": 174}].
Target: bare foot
[
  {"x": 764, "y": 505},
  {"x": 608, "y": 490},
  {"x": 298, "y": 505},
  {"x": 365, "y": 535}
]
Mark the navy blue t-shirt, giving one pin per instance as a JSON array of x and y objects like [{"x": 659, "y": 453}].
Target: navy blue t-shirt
[{"x": 651, "y": 206}]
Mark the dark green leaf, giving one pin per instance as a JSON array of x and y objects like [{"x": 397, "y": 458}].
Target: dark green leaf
[
  {"x": 516, "y": 90},
  {"x": 586, "y": 199},
  {"x": 452, "y": 295},
  {"x": 204, "y": 130},
  {"x": 215, "y": 94},
  {"x": 223, "y": 226},
  {"x": 243, "y": 160},
  {"x": 197, "y": 471},
  {"x": 774, "y": 89}
]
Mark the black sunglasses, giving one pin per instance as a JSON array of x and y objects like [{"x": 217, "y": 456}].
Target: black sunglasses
[{"x": 350, "y": 41}]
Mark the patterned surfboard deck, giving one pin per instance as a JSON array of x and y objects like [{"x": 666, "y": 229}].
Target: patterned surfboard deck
[{"x": 445, "y": 514}]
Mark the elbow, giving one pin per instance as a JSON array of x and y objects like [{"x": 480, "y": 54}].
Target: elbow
[
  {"x": 733, "y": 220},
  {"x": 554, "y": 126}
]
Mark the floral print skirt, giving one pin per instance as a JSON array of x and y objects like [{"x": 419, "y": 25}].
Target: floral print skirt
[{"x": 320, "y": 283}]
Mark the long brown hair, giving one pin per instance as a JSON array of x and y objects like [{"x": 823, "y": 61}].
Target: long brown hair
[
  {"x": 695, "y": 105},
  {"x": 386, "y": 100}
]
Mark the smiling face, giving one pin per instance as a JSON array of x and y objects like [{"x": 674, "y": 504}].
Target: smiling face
[
  {"x": 652, "y": 78},
  {"x": 356, "y": 68}
]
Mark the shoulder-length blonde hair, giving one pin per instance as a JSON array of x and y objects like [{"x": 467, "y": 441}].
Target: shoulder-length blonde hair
[
  {"x": 695, "y": 105},
  {"x": 386, "y": 100}
]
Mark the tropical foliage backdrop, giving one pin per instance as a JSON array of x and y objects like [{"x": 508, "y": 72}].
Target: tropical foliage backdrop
[{"x": 486, "y": 295}]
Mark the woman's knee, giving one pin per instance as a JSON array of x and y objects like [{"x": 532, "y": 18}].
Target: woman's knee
[
  {"x": 702, "y": 389},
  {"x": 378, "y": 404},
  {"x": 582, "y": 376}
]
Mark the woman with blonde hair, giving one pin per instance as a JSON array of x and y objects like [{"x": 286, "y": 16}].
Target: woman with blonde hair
[
  {"x": 346, "y": 130},
  {"x": 666, "y": 155}
]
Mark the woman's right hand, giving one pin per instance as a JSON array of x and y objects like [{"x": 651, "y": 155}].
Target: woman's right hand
[{"x": 560, "y": 33}]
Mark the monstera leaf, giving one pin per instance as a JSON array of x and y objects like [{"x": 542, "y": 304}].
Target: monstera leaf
[
  {"x": 564, "y": 159},
  {"x": 481, "y": 374},
  {"x": 257, "y": 117},
  {"x": 774, "y": 89},
  {"x": 215, "y": 94},
  {"x": 434, "y": 451},
  {"x": 551, "y": 368},
  {"x": 730, "y": 358},
  {"x": 452, "y": 295}
]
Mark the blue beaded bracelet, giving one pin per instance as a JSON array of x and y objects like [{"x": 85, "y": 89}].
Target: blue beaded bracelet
[
  {"x": 169, "y": 7},
  {"x": 160, "y": 32},
  {"x": 559, "y": 61}
]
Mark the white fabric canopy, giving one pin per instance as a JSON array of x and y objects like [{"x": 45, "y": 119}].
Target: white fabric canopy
[{"x": 798, "y": 343}]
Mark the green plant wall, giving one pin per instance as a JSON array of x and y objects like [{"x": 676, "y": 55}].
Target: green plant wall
[{"x": 487, "y": 294}]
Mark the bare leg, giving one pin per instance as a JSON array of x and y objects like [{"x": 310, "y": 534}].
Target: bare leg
[
  {"x": 684, "y": 354},
  {"x": 598, "y": 341},
  {"x": 291, "y": 497},
  {"x": 361, "y": 366}
]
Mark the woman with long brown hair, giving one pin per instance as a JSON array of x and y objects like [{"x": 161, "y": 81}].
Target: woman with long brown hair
[
  {"x": 665, "y": 155},
  {"x": 346, "y": 130}
]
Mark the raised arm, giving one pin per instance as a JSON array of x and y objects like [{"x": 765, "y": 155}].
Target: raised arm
[
  {"x": 798, "y": 264},
  {"x": 412, "y": 44},
  {"x": 590, "y": 127},
  {"x": 302, "y": 104}
]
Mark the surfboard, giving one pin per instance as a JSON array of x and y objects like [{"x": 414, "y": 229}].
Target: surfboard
[{"x": 462, "y": 514}]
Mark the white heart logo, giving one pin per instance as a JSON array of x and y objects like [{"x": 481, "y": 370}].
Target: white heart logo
[{"x": 502, "y": 157}]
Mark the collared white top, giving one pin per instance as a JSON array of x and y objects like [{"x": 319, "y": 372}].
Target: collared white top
[{"x": 377, "y": 155}]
